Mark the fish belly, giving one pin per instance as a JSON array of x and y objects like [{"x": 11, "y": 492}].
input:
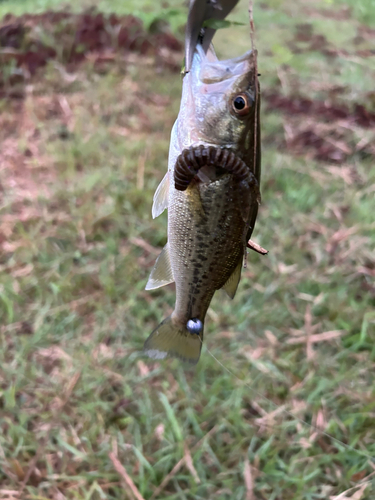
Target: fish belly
[{"x": 206, "y": 235}]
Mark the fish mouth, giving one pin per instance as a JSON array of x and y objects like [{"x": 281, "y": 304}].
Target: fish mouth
[
  {"x": 210, "y": 76},
  {"x": 214, "y": 70},
  {"x": 193, "y": 159}
]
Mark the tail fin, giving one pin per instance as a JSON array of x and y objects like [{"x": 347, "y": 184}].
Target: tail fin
[{"x": 172, "y": 340}]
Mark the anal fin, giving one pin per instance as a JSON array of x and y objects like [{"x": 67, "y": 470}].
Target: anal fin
[
  {"x": 161, "y": 273},
  {"x": 161, "y": 197},
  {"x": 231, "y": 285}
]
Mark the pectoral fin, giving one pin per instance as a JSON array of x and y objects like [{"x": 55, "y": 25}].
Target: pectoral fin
[
  {"x": 161, "y": 273},
  {"x": 231, "y": 285},
  {"x": 161, "y": 197}
]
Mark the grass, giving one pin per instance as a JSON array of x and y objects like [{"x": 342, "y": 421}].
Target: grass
[
  {"x": 173, "y": 11},
  {"x": 80, "y": 159}
]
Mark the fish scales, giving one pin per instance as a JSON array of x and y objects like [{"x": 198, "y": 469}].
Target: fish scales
[{"x": 207, "y": 237}]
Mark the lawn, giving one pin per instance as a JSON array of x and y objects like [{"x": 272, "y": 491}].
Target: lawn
[{"x": 281, "y": 405}]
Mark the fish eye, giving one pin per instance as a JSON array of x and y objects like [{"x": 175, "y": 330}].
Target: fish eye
[{"x": 241, "y": 104}]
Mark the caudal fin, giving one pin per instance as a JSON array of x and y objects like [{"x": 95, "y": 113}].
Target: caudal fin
[{"x": 176, "y": 341}]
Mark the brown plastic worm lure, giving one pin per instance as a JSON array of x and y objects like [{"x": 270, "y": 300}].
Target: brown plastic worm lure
[{"x": 191, "y": 160}]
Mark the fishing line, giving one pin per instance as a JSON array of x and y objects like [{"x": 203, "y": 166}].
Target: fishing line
[
  {"x": 289, "y": 413},
  {"x": 255, "y": 59},
  {"x": 257, "y": 108}
]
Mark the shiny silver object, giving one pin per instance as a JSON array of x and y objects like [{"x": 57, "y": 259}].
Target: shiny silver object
[{"x": 199, "y": 12}]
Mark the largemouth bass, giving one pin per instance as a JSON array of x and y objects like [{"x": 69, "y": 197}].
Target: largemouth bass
[{"x": 211, "y": 191}]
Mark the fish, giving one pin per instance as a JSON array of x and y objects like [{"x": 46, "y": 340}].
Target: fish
[{"x": 211, "y": 191}]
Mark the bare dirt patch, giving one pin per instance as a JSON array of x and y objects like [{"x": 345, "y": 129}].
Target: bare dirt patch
[
  {"x": 32, "y": 106},
  {"x": 28, "y": 42},
  {"x": 328, "y": 129},
  {"x": 305, "y": 40}
]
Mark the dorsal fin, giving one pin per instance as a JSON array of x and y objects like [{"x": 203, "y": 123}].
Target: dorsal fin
[{"x": 161, "y": 273}]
